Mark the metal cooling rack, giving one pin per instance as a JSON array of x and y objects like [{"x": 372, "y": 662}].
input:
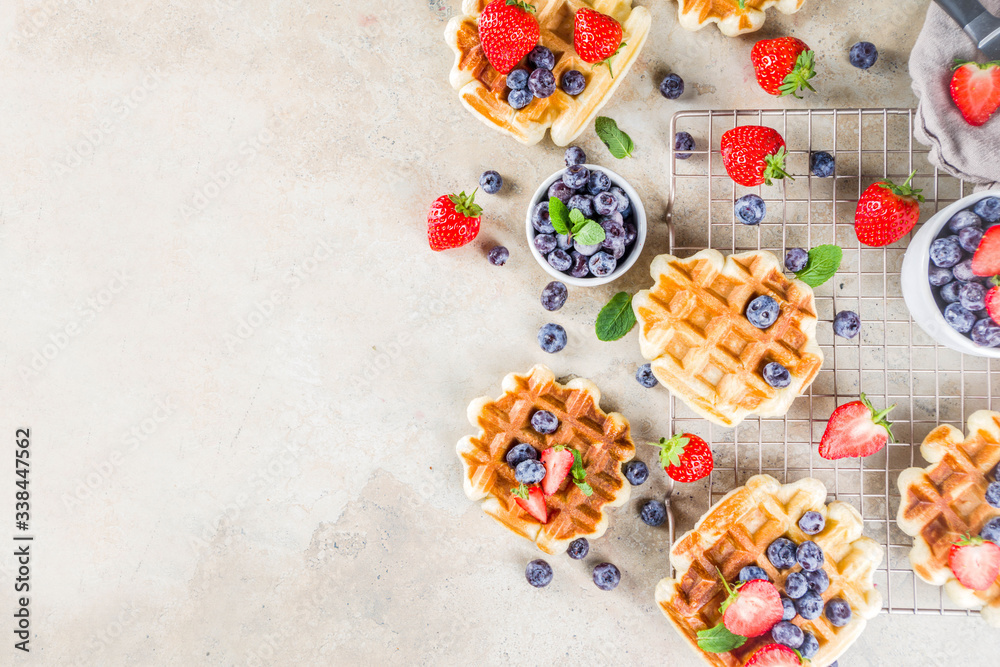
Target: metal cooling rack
[{"x": 891, "y": 360}]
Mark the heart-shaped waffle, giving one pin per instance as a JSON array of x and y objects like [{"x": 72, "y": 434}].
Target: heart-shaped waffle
[
  {"x": 946, "y": 500},
  {"x": 729, "y": 16},
  {"x": 602, "y": 439}
]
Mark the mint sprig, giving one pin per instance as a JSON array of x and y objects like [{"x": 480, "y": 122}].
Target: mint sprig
[
  {"x": 579, "y": 473},
  {"x": 619, "y": 143},
  {"x": 719, "y": 640},
  {"x": 616, "y": 318},
  {"x": 824, "y": 261},
  {"x": 574, "y": 222}
]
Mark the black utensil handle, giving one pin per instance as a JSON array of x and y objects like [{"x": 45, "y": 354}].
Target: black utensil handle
[{"x": 963, "y": 11}]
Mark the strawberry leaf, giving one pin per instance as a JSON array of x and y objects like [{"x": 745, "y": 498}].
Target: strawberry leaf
[
  {"x": 616, "y": 318},
  {"x": 798, "y": 78},
  {"x": 904, "y": 190},
  {"x": 719, "y": 640},
  {"x": 879, "y": 418},
  {"x": 522, "y": 5},
  {"x": 775, "y": 167},
  {"x": 671, "y": 449},
  {"x": 466, "y": 204},
  {"x": 559, "y": 215},
  {"x": 521, "y": 491}
]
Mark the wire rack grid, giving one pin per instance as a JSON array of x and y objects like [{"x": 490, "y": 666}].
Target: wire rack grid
[{"x": 891, "y": 360}]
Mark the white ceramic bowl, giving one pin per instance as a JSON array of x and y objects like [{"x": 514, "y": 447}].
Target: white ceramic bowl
[
  {"x": 917, "y": 291},
  {"x": 639, "y": 218}
]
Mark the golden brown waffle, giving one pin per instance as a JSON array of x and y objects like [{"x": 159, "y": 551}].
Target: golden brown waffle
[
  {"x": 731, "y": 19},
  {"x": 736, "y": 532},
  {"x": 603, "y": 441},
  {"x": 946, "y": 500},
  {"x": 702, "y": 347},
  {"x": 483, "y": 90}
]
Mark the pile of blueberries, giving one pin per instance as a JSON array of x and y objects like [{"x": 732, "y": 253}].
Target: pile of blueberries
[
  {"x": 540, "y": 82},
  {"x": 961, "y": 294},
  {"x": 594, "y": 195}
]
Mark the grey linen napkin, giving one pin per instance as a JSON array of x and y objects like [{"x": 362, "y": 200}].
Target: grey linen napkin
[{"x": 966, "y": 152}]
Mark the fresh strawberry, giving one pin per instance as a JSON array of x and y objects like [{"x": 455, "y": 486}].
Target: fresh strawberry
[
  {"x": 753, "y": 154},
  {"x": 531, "y": 501},
  {"x": 508, "y": 31},
  {"x": 751, "y": 608},
  {"x": 975, "y": 562},
  {"x": 783, "y": 66},
  {"x": 596, "y": 37},
  {"x": 855, "y": 429},
  {"x": 886, "y": 212},
  {"x": 557, "y": 462},
  {"x": 993, "y": 301},
  {"x": 453, "y": 221},
  {"x": 975, "y": 87},
  {"x": 774, "y": 655},
  {"x": 685, "y": 457},
  {"x": 986, "y": 261}
]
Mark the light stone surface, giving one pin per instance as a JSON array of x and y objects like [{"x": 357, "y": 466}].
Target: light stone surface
[{"x": 245, "y": 372}]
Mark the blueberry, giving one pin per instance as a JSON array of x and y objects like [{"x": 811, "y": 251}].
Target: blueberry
[
  {"x": 763, "y": 311},
  {"x": 576, "y": 176},
  {"x": 578, "y": 548},
  {"x": 575, "y": 155},
  {"x": 616, "y": 248},
  {"x": 750, "y": 209},
  {"x": 796, "y": 585},
  {"x": 969, "y": 238},
  {"x": 626, "y": 210},
  {"x": 538, "y": 573},
  {"x": 559, "y": 259},
  {"x": 541, "y": 57},
  {"x": 542, "y": 83},
  {"x": 986, "y": 333},
  {"x": 560, "y": 191},
  {"x": 683, "y": 141},
  {"x": 519, "y": 98},
  {"x": 949, "y": 293},
  {"x": 644, "y": 376},
  {"x": 554, "y": 295},
  {"x": 751, "y": 572},
  {"x": 540, "y": 218},
  {"x": 781, "y": 553},
  {"x": 529, "y": 471},
  {"x": 991, "y": 531},
  {"x": 963, "y": 271},
  {"x": 653, "y": 513},
  {"x": 838, "y": 612},
  {"x": 810, "y": 605},
  {"x": 809, "y": 555},
  {"x": 579, "y": 268},
  {"x": 602, "y": 264},
  {"x": 821, "y": 164},
  {"x": 614, "y": 232},
  {"x": 972, "y": 296},
  {"x": 630, "y": 232},
  {"x": 809, "y": 647},
  {"x": 963, "y": 220},
  {"x": 598, "y": 182},
  {"x": 818, "y": 580},
  {"x": 811, "y": 522},
  {"x": 606, "y": 576},
  {"x": 586, "y": 250},
  {"x": 846, "y": 324},
  {"x": 498, "y": 255},
  {"x": 635, "y": 472},
  {"x": 545, "y": 243},
  {"x": 796, "y": 259},
  {"x": 946, "y": 252},
  {"x": 491, "y": 182},
  {"x": 777, "y": 375},
  {"x": 544, "y": 422},
  {"x": 988, "y": 209},
  {"x": 605, "y": 203},
  {"x": 520, "y": 452},
  {"x": 551, "y": 338},
  {"x": 583, "y": 203},
  {"x": 672, "y": 86},
  {"x": 787, "y": 633},
  {"x": 573, "y": 82},
  {"x": 615, "y": 216},
  {"x": 863, "y": 55},
  {"x": 939, "y": 277},
  {"x": 623, "y": 203},
  {"x": 517, "y": 79},
  {"x": 564, "y": 241},
  {"x": 960, "y": 319},
  {"x": 788, "y": 611}
]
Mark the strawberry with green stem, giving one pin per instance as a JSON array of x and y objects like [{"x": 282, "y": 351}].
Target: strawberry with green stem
[
  {"x": 975, "y": 89},
  {"x": 453, "y": 221},
  {"x": 856, "y": 429},
  {"x": 783, "y": 66},
  {"x": 685, "y": 457},
  {"x": 508, "y": 31},
  {"x": 887, "y": 212},
  {"x": 754, "y": 154},
  {"x": 531, "y": 500},
  {"x": 597, "y": 37},
  {"x": 975, "y": 562}
]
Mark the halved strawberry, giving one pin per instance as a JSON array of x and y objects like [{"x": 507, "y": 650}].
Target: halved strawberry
[
  {"x": 752, "y": 608},
  {"x": 557, "y": 462},
  {"x": 993, "y": 301},
  {"x": 975, "y": 87},
  {"x": 774, "y": 655},
  {"x": 986, "y": 261},
  {"x": 685, "y": 457},
  {"x": 975, "y": 562},
  {"x": 531, "y": 501},
  {"x": 855, "y": 429}
]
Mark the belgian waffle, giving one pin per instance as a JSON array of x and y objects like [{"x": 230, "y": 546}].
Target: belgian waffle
[
  {"x": 944, "y": 501},
  {"x": 727, "y": 14},
  {"x": 736, "y": 532},
  {"x": 702, "y": 347},
  {"x": 483, "y": 90},
  {"x": 602, "y": 439}
]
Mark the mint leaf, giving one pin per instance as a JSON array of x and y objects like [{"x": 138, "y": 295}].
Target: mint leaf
[
  {"x": 590, "y": 233},
  {"x": 580, "y": 473},
  {"x": 616, "y": 318},
  {"x": 576, "y": 219},
  {"x": 583, "y": 486},
  {"x": 719, "y": 640},
  {"x": 619, "y": 143},
  {"x": 824, "y": 260},
  {"x": 559, "y": 215}
]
